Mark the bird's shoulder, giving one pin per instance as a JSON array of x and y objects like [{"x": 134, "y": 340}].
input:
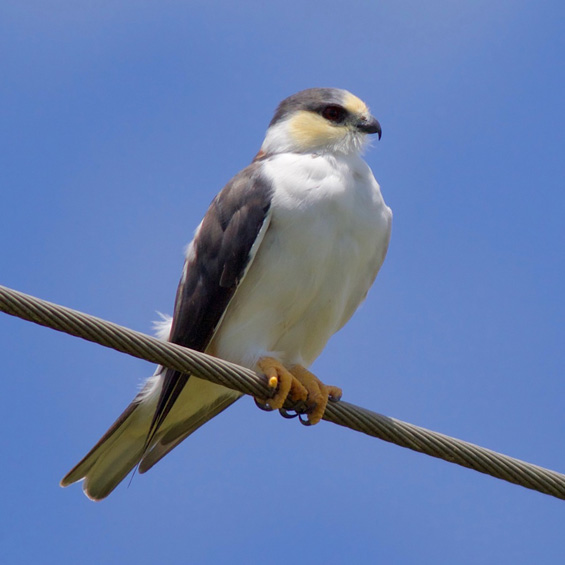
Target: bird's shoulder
[{"x": 311, "y": 179}]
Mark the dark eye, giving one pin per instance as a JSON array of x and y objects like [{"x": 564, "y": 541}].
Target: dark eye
[{"x": 334, "y": 113}]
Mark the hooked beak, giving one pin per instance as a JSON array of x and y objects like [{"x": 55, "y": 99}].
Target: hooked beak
[{"x": 369, "y": 125}]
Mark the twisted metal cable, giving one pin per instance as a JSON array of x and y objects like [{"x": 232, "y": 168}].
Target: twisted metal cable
[{"x": 248, "y": 382}]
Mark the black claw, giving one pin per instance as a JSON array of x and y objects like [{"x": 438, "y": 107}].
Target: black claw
[
  {"x": 305, "y": 422},
  {"x": 286, "y": 414},
  {"x": 264, "y": 407},
  {"x": 301, "y": 408},
  {"x": 334, "y": 398}
]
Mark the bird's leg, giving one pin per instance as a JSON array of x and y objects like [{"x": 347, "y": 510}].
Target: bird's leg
[
  {"x": 297, "y": 384},
  {"x": 281, "y": 379},
  {"x": 318, "y": 393}
]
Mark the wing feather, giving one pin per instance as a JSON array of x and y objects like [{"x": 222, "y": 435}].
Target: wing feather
[{"x": 217, "y": 260}]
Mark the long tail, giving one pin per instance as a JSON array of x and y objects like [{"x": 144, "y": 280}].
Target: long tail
[
  {"x": 116, "y": 453},
  {"x": 124, "y": 445}
]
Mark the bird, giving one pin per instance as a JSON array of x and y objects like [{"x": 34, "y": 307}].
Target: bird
[{"x": 283, "y": 257}]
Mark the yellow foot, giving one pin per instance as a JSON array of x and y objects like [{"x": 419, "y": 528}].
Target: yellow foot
[
  {"x": 318, "y": 393},
  {"x": 297, "y": 384},
  {"x": 281, "y": 379}
]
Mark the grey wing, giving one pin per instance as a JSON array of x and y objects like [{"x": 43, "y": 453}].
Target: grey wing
[{"x": 218, "y": 258}]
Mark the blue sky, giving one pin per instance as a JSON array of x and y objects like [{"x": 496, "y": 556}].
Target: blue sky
[{"x": 121, "y": 120}]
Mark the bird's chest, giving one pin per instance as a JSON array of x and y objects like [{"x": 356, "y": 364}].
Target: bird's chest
[
  {"x": 327, "y": 237},
  {"x": 325, "y": 216},
  {"x": 324, "y": 237}
]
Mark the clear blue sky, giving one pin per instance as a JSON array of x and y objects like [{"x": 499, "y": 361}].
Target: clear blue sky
[{"x": 119, "y": 121}]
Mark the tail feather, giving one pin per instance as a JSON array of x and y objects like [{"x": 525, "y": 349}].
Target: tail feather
[
  {"x": 108, "y": 472},
  {"x": 124, "y": 445},
  {"x": 115, "y": 454}
]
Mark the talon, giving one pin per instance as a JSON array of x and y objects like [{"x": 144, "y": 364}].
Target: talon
[
  {"x": 301, "y": 408},
  {"x": 305, "y": 422},
  {"x": 285, "y": 414},
  {"x": 262, "y": 406},
  {"x": 305, "y": 390},
  {"x": 280, "y": 378},
  {"x": 318, "y": 394},
  {"x": 334, "y": 395}
]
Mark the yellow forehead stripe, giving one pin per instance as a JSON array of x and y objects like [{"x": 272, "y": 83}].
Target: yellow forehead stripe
[
  {"x": 311, "y": 130},
  {"x": 354, "y": 105}
]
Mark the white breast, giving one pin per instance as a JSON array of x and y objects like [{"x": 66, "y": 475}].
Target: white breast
[{"x": 327, "y": 239}]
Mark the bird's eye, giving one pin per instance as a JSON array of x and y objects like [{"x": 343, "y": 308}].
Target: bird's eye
[{"x": 334, "y": 113}]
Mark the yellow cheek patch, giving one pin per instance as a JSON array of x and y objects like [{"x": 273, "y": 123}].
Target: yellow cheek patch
[
  {"x": 354, "y": 105},
  {"x": 311, "y": 130}
]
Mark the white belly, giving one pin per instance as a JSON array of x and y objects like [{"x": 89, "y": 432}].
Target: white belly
[{"x": 327, "y": 239}]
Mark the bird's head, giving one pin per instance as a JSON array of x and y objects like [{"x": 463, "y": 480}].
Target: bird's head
[{"x": 320, "y": 120}]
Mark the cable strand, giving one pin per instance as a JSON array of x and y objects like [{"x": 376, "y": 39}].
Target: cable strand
[{"x": 246, "y": 381}]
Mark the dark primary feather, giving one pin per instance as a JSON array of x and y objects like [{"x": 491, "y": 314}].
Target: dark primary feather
[
  {"x": 79, "y": 470},
  {"x": 221, "y": 253}
]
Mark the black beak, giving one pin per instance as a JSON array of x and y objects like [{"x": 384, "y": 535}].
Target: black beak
[{"x": 369, "y": 125}]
